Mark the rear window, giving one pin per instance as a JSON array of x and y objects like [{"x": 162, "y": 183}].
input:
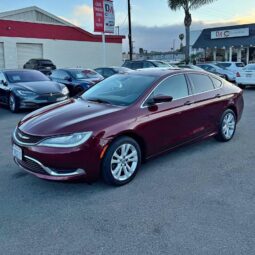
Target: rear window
[
  {"x": 224, "y": 65},
  {"x": 45, "y": 62},
  {"x": 217, "y": 83},
  {"x": 201, "y": 83},
  {"x": 240, "y": 64},
  {"x": 25, "y": 76}
]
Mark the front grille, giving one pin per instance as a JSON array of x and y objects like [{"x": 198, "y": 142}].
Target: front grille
[
  {"x": 25, "y": 138},
  {"x": 31, "y": 166}
]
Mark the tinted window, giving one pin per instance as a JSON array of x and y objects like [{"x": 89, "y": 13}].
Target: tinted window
[
  {"x": 147, "y": 64},
  {"x": 224, "y": 65},
  {"x": 160, "y": 64},
  {"x": 240, "y": 64},
  {"x": 201, "y": 83},
  {"x": 59, "y": 74},
  {"x": 45, "y": 62},
  {"x": 175, "y": 86},
  {"x": 136, "y": 65},
  {"x": 120, "y": 89},
  {"x": 108, "y": 72},
  {"x": 99, "y": 70},
  {"x": 217, "y": 83},
  {"x": 25, "y": 76}
]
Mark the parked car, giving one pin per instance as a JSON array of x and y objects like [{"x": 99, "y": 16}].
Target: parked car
[
  {"x": 20, "y": 89},
  {"x": 193, "y": 67},
  {"x": 123, "y": 120},
  {"x": 92, "y": 75},
  {"x": 139, "y": 64},
  {"x": 212, "y": 68},
  {"x": 246, "y": 77},
  {"x": 209, "y": 69},
  {"x": 75, "y": 79},
  {"x": 43, "y": 65},
  {"x": 109, "y": 71},
  {"x": 232, "y": 66}
]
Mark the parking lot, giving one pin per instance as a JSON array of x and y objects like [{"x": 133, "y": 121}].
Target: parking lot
[{"x": 199, "y": 199}]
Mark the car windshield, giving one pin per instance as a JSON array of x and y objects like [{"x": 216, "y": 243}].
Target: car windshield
[
  {"x": 78, "y": 74},
  {"x": 250, "y": 67},
  {"x": 25, "y": 76},
  {"x": 120, "y": 89},
  {"x": 91, "y": 74},
  {"x": 240, "y": 64}
]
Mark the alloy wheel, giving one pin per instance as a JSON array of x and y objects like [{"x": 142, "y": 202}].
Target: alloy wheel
[
  {"x": 124, "y": 162},
  {"x": 228, "y": 125}
]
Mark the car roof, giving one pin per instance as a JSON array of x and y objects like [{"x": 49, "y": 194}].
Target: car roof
[
  {"x": 18, "y": 70},
  {"x": 158, "y": 72}
]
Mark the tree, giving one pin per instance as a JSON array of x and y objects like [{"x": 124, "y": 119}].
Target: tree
[{"x": 187, "y": 6}]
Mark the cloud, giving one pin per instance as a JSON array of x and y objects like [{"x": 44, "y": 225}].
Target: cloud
[{"x": 82, "y": 16}]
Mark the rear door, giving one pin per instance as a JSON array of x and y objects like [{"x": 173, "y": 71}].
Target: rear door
[{"x": 207, "y": 102}]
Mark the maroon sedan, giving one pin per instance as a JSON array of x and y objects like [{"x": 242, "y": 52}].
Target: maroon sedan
[{"x": 123, "y": 120}]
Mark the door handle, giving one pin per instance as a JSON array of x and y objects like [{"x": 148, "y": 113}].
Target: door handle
[
  {"x": 218, "y": 95},
  {"x": 188, "y": 103}
]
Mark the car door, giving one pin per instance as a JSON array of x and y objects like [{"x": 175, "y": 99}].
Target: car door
[
  {"x": 4, "y": 89},
  {"x": 207, "y": 101},
  {"x": 169, "y": 124}
]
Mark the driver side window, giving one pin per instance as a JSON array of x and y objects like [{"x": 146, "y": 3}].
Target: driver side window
[{"x": 175, "y": 86}]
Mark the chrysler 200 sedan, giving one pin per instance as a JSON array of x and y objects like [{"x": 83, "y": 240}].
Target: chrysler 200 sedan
[
  {"x": 110, "y": 129},
  {"x": 22, "y": 89}
]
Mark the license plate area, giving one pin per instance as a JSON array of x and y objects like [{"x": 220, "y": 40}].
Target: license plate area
[{"x": 17, "y": 152}]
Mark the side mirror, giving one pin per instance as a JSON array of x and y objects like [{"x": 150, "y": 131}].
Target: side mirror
[
  {"x": 160, "y": 99},
  {"x": 4, "y": 83}
]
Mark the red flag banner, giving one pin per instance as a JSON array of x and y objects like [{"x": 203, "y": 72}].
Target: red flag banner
[{"x": 98, "y": 6}]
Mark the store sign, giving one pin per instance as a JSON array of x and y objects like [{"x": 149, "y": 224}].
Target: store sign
[
  {"x": 230, "y": 33},
  {"x": 104, "y": 18}
]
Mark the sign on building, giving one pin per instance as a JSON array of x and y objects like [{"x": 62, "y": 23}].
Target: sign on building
[
  {"x": 104, "y": 18},
  {"x": 230, "y": 33}
]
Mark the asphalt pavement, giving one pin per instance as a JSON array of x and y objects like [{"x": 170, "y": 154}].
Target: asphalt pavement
[{"x": 198, "y": 199}]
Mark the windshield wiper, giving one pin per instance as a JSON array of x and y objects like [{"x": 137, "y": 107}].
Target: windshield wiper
[{"x": 98, "y": 100}]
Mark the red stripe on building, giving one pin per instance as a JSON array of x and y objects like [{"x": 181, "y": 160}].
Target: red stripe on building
[{"x": 9, "y": 28}]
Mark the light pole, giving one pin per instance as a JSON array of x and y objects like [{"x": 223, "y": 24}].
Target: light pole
[{"x": 130, "y": 32}]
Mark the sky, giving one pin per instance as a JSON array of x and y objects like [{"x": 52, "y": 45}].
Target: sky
[{"x": 155, "y": 26}]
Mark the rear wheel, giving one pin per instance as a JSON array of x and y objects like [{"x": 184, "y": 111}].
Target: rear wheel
[
  {"x": 13, "y": 104},
  {"x": 227, "y": 126},
  {"x": 121, "y": 162}
]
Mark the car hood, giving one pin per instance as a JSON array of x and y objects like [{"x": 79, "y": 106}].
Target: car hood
[
  {"x": 40, "y": 87},
  {"x": 69, "y": 116}
]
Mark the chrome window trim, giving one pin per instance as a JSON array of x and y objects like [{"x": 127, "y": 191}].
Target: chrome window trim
[{"x": 189, "y": 84}]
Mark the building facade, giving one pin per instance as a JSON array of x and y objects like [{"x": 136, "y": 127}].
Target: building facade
[
  {"x": 231, "y": 43},
  {"x": 34, "y": 33}
]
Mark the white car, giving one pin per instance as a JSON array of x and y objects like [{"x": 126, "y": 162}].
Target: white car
[
  {"x": 232, "y": 66},
  {"x": 246, "y": 76}
]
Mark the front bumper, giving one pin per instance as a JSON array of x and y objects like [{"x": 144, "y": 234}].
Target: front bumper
[
  {"x": 27, "y": 103},
  {"x": 61, "y": 164}
]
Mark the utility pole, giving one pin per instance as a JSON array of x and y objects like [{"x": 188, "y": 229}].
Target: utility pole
[{"x": 130, "y": 32}]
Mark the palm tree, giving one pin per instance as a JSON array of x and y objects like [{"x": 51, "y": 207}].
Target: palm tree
[{"x": 187, "y": 6}]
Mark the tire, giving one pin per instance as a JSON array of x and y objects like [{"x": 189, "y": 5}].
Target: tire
[
  {"x": 116, "y": 169},
  {"x": 13, "y": 104},
  {"x": 227, "y": 126}
]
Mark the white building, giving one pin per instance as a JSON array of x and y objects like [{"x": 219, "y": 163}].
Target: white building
[{"x": 34, "y": 33}]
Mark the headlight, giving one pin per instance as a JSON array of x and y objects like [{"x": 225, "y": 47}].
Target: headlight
[
  {"x": 65, "y": 91},
  {"x": 26, "y": 93},
  {"x": 66, "y": 141}
]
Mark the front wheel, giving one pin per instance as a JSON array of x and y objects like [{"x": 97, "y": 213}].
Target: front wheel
[
  {"x": 227, "y": 126},
  {"x": 121, "y": 162},
  {"x": 13, "y": 104}
]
